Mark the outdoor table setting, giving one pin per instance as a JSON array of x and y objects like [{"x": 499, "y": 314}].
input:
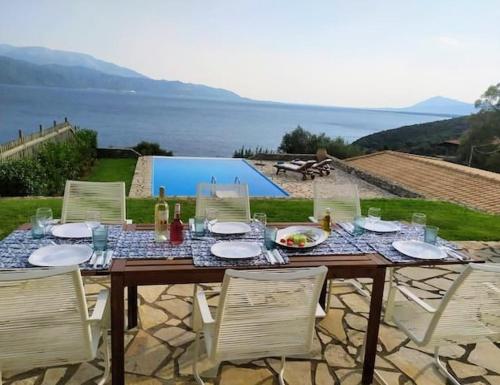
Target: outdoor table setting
[{"x": 46, "y": 243}]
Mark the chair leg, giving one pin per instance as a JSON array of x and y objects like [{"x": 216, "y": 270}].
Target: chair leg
[
  {"x": 357, "y": 286},
  {"x": 0, "y": 378},
  {"x": 442, "y": 367},
  {"x": 391, "y": 297},
  {"x": 196, "y": 375},
  {"x": 282, "y": 371},
  {"x": 107, "y": 358}
]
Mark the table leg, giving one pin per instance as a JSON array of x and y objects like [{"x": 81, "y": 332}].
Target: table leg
[
  {"x": 132, "y": 306},
  {"x": 373, "y": 326},
  {"x": 117, "y": 330}
]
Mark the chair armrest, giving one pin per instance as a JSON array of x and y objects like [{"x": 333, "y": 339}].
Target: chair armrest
[
  {"x": 202, "y": 307},
  {"x": 128, "y": 221},
  {"x": 101, "y": 308},
  {"x": 313, "y": 220},
  {"x": 412, "y": 297}
]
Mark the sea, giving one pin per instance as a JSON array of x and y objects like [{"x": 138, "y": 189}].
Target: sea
[{"x": 188, "y": 127}]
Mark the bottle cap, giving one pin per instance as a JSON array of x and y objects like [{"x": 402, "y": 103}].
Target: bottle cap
[{"x": 162, "y": 191}]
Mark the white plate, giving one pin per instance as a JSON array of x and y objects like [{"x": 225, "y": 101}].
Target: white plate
[
  {"x": 230, "y": 228},
  {"x": 319, "y": 235},
  {"x": 60, "y": 255},
  {"x": 419, "y": 250},
  {"x": 236, "y": 250},
  {"x": 72, "y": 230},
  {"x": 380, "y": 226}
]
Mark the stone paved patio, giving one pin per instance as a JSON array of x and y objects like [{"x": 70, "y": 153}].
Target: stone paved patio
[{"x": 159, "y": 351}]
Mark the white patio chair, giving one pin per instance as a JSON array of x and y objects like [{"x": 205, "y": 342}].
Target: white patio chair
[
  {"x": 260, "y": 314},
  {"x": 44, "y": 320},
  {"x": 106, "y": 197},
  {"x": 231, "y": 201},
  {"x": 469, "y": 312},
  {"x": 343, "y": 201}
]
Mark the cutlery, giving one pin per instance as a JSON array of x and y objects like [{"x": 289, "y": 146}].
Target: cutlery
[
  {"x": 93, "y": 258},
  {"x": 108, "y": 259},
  {"x": 454, "y": 253},
  {"x": 97, "y": 258},
  {"x": 278, "y": 257},
  {"x": 268, "y": 255}
]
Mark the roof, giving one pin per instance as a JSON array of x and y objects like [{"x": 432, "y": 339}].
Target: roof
[
  {"x": 435, "y": 178},
  {"x": 454, "y": 142}
]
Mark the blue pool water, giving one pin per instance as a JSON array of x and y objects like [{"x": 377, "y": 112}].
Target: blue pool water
[{"x": 180, "y": 175}]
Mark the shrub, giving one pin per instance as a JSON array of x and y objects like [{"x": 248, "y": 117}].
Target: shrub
[
  {"x": 150, "y": 148},
  {"x": 249, "y": 153},
  {"x": 47, "y": 171},
  {"x": 300, "y": 141}
]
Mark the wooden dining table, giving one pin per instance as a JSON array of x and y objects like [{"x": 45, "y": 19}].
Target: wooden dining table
[{"x": 129, "y": 274}]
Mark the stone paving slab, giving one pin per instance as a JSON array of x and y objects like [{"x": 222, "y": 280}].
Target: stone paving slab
[{"x": 159, "y": 351}]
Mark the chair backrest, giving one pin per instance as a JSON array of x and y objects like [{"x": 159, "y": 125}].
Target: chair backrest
[
  {"x": 470, "y": 310},
  {"x": 231, "y": 201},
  {"x": 342, "y": 199},
  {"x": 106, "y": 197},
  {"x": 43, "y": 318},
  {"x": 266, "y": 313}
]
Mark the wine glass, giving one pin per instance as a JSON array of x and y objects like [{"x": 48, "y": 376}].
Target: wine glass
[
  {"x": 418, "y": 221},
  {"x": 44, "y": 216},
  {"x": 374, "y": 214},
  {"x": 92, "y": 219},
  {"x": 260, "y": 219}
]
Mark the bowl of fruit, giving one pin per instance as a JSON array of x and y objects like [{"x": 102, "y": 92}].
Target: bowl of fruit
[{"x": 300, "y": 236}]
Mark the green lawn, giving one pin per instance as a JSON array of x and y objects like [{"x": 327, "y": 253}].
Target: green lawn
[
  {"x": 455, "y": 222},
  {"x": 113, "y": 170}
]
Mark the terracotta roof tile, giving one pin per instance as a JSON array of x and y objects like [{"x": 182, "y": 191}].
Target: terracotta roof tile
[{"x": 435, "y": 178}]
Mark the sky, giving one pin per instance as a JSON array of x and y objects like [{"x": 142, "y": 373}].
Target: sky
[{"x": 358, "y": 53}]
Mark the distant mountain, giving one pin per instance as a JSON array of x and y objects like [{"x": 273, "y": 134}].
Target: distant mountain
[
  {"x": 440, "y": 105},
  {"x": 19, "y": 72},
  {"x": 42, "y": 55}
]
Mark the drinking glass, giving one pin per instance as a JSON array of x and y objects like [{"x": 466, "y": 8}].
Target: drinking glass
[
  {"x": 210, "y": 216},
  {"x": 374, "y": 213},
  {"x": 199, "y": 226},
  {"x": 100, "y": 237},
  {"x": 358, "y": 225},
  {"x": 92, "y": 219},
  {"x": 430, "y": 234},
  {"x": 37, "y": 229},
  {"x": 261, "y": 219},
  {"x": 270, "y": 237},
  {"x": 44, "y": 216},
  {"x": 418, "y": 219}
]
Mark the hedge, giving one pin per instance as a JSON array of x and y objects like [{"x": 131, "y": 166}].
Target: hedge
[{"x": 46, "y": 172}]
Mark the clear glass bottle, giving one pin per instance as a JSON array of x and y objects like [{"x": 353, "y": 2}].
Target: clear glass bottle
[
  {"x": 177, "y": 227},
  {"x": 161, "y": 218},
  {"x": 327, "y": 221}
]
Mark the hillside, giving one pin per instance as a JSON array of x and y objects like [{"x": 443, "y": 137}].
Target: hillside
[
  {"x": 42, "y": 55},
  {"x": 417, "y": 138},
  {"x": 18, "y": 72}
]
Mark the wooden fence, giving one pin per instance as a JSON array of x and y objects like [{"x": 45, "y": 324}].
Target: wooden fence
[{"x": 27, "y": 145}]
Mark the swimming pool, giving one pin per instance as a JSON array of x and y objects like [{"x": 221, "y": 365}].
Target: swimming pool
[{"x": 180, "y": 175}]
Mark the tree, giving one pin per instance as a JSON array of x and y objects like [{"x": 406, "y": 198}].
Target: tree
[
  {"x": 149, "y": 148},
  {"x": 480, "y": 145}
]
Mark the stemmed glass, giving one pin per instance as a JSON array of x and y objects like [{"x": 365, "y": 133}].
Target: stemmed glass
[
  {"x": 92, "y": 219},
  {"x": 374, "y": 214},
  {"x": 260, "y": 219},
  {"x": 210, "y": 217},
  {"x": 418, "y": 221},
  {"x": 45, "y": 217}
]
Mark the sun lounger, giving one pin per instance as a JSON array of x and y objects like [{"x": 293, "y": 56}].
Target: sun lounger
[
  {"x": 321, "y": 167},
  {"x": 304, "y": 169}
]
